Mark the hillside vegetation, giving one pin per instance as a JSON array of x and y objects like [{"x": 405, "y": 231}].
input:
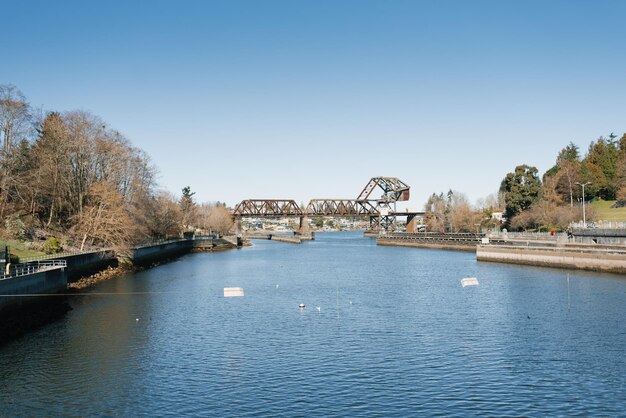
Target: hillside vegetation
[
  {"x": 605, "y": 212},
  {"x": 68, "y": 181}
]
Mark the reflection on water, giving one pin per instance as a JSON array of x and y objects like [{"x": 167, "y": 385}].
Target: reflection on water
[{"x": 396, "y": 335}]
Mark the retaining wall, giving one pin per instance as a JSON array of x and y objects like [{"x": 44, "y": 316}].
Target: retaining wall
[
  {"x": 459, "y": 242},
  {"x": 292, "y": 239},
  {"x": 153, "y": 253},
  {"x": 438, "y": 245},
  {"x": 159, "y": 252},
  {"x": 598, "y": 259},
  {"x": 81, "y": 265},
  {"x": 616, "y": 236},
  {"x": 48, "y": 281},
  {"x": 285, "y": 238}
]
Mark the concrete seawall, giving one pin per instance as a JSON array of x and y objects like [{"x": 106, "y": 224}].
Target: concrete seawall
[
  {"x": 604, "y": 236},
  {"x": 291, "y": 239},
  {"x": 150, "y": 254},
  {"x": 158, "y": 252},
  {"x": 540, "y": 250},
  {"x": 458, "y": 242},
  {"x": 285, "y": 238},
  {"x": 600, "y": 259},
  {"x": 81, "y": 265},
  {"x": 21, "y": 312},
  {"x": 438, "y": 245},
  {"x": 43, "y": 282}
]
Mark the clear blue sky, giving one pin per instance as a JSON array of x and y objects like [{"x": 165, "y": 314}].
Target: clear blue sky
[{"x": 309, "y": 99}]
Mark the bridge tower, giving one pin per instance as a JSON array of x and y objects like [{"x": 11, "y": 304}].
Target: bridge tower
[{"x": 394, "y": 190}]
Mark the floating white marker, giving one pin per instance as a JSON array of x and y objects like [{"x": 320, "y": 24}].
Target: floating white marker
[
  {"x": 319, "y": 309},
  {"x": 469, "y": 281},
  {"x": 301, "y": 306},
  {"x": 230, "y": 292}
]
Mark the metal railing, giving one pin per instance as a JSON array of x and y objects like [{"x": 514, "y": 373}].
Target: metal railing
[
  {"x": 463, "y": 238},
  {"x": 161, "y": 242},
  {"x": 177, "y": 239},
  {"x": 24, "y": 269},
  {"x": 51, "y": 256},
  {"x": 599, "y": 225},
  {"x": 525, "y": 235}
]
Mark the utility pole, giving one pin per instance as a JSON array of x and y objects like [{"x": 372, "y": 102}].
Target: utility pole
[{"x": 584, "y": 217}]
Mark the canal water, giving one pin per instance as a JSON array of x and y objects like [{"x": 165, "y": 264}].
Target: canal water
[{"x": 386, "y": 331}]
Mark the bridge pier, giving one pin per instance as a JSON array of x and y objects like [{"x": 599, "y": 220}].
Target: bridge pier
[
  {"x": 304, "y": 230},
  {"x": 237, "y": 228},
  {"x": 411, "y": 224}
]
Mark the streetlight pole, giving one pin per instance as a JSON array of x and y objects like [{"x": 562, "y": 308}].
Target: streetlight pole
[{"x": 584, "y": 217}]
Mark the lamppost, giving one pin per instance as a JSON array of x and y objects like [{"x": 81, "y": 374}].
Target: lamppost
[{"x": 583, "y": 186}]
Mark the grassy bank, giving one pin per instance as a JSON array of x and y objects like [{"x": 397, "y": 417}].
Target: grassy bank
[
  {"x": 19, "y": 249},
  {"x": 606, "y": 213}
]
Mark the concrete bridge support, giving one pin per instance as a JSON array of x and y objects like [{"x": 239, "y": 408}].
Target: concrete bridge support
[
  {"x": 304, "y": 231},
  {"x": 411, "y": 224}
]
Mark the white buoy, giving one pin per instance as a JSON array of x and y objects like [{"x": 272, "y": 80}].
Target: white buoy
[
  {"x": 230, "y": 292},
  {"x": 136, "y": 319},
  {"x": 301, "y": 306},
  {"x": 469, "y": 281}
]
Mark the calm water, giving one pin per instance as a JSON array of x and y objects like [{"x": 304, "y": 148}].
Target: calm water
[{"x": 395, "y": 335}]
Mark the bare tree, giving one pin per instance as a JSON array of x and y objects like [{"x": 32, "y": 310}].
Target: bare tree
[
  {"x": 77, "y": 175},
  {"x": 462, "y": 217},
  {"x": 163, "y": 218},
  {"x": 451, "y": 213},
  {"x": 568, "y": 175},
  {"x": 435, "y": 213},
  {"x": 215, "y": 218},
  {"x": 104, "y": 219},
  {"x": 83, "y": 129},
  {"x": 15, "y": 127},
  {"x": 547, "y": 214},
  {"x": 50, "y": 176}
]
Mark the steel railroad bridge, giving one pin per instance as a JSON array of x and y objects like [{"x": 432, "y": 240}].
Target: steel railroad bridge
[{"x": 381, "y": 211}]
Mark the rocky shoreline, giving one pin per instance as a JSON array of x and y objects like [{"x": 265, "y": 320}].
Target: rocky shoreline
[{"x": 104, "y": 275}]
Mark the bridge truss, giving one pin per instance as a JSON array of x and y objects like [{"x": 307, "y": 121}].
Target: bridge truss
[
  {"x": 381, "y": 211},
  {"x": 267, "y": 208}
]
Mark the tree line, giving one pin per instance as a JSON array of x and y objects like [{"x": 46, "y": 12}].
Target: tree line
[
  {"x": 68, "y": 174},
  {"x": 550, "y": 202}
]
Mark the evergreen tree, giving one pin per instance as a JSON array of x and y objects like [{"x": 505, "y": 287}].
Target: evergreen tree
[
  {"x": 521, "y": 189},
  {"x": 188, "y": 207},
  {"x": 603, "y": 154}
]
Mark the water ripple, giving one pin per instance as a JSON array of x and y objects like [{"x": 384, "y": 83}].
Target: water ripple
[{"x": 396, "y": 335}]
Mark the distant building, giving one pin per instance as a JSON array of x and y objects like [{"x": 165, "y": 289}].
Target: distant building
[{"x": 499, "y": 216}]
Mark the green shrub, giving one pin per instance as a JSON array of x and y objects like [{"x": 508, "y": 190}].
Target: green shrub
[{"x": 52, "y": 246}]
